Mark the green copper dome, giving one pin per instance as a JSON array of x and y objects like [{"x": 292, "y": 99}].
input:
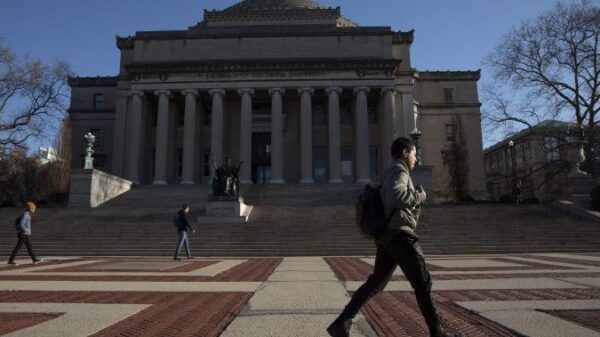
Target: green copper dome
[{"x": 274, "y": 4}]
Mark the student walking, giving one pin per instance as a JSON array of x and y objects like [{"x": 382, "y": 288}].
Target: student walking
[
  {"x": 23, "y": 224},
  {"x": 398, "y": 246},
  {"x": 183, "y": 226}
]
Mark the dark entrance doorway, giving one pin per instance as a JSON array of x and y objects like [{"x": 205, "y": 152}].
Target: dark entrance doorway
[{"x": 261, "y": 157}]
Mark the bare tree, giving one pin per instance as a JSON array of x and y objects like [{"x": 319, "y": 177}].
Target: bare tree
[
  {"x": 456, "y": 160},
  {"x": 32, "y": 94},
  {"x": 548, "y": 67}
]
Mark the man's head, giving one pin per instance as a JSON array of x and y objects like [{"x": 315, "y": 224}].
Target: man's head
[
  {"x": 228, "y": 161},
  {"x": 406, "y": 150},
  {"x": 31, "y": 207},
  {"x": 185, "y": 208}
]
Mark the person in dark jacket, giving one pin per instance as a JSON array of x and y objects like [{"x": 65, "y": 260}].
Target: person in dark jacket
[
  {"x": 182, "y": 227},
  {"x": 24, "y": 234},
  {"x": 398, "y": 246}
]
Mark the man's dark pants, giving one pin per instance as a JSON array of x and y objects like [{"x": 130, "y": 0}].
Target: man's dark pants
[
  {"x": 404, "y": 251},
  {"x": 23, "y": 239}
]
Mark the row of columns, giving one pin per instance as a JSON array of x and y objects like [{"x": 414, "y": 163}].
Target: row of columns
[{"x": 361, "y": 140}]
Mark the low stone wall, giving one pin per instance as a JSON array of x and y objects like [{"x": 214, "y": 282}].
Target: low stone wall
[{"x": 92, "y": 188}]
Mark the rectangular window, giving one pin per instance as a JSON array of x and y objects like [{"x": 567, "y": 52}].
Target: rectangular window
[
  {"x": 319, "y": 117},
  {"x": 347, "y": 172},
  {"x": 263, "y": 174},
  {"x": 374, "y": 160},
  {"x": 153, "y": 162},
  {"x": 180, "y": 117},
  {"x": 206, "y": 162},
  {"x": 207, "y": 115},
  {"x": 450, "y": 134},
  {"x": 448, "y": 95},
  {"x": 260, "y": 108},
  {"x": 179, "y": 162},
  {"x": 372, "y": 113},
  {"x": 98, "y": 101},
  {"x": 320, "y": 163},
  {"x": 345, "y": 115},
  {"x": 551, "y": 147},
  {"x": 99, "y": 141}
]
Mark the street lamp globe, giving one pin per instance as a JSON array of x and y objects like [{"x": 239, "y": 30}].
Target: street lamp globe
[{"x": 511, "y": 143}]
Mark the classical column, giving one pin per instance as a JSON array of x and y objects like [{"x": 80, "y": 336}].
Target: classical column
[
  {"x": 361, "y": 135},
  {"x": 189, "y": 136},
  {"x": 120, "y": 132},
  {"x": 162, "y": 137},
  {"x": 135, "y": 147},
  {"x": 408, "y": 111},
  {"x": 216, "y": 131},
  {"x": 387, "y": 124},
  {"x": 335, "y": 171},
  {"x": 277, "y": 135},
  {"x": 246, "y": 135},
  {"x": 306, "y": 176}
]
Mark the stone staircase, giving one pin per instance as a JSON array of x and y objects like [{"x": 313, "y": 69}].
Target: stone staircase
[{"x": 290, "y": 220}]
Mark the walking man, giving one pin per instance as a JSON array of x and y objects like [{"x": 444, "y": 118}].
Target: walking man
[
  {"x": 398, "y": 246},
  {"x": 24, "y": 234},
  {"x": 183, "y": 225}
]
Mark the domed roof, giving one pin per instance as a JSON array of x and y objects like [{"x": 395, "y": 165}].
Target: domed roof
[{"x": 274, "y": 4}]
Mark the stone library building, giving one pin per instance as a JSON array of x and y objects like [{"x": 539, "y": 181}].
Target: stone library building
[{"x": 293, "y": 89}]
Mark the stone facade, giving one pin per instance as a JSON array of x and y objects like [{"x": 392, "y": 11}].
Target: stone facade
[
  {"x": 538, "y": 158},
  {"x": 296, "y": 91}
]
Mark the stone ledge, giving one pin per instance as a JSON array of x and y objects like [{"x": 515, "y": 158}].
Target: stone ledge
[{"x": 92, "y": 188}]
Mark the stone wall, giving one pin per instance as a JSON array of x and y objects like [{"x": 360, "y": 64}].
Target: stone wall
[{"x": 92, "y": 188}]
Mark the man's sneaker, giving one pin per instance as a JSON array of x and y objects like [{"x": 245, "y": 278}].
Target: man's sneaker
[
  {"x": 176, "y": 259},
  {"x": 340, "y": 328},
  {"x": 37, "y": 261},
  {"x": 12, "y": 263},
  {"x": 190, "y": 257}
]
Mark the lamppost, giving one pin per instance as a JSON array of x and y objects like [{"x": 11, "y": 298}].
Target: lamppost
[
  {"x": 511, "y": 146},
  {"x": 416, "y": 133}
]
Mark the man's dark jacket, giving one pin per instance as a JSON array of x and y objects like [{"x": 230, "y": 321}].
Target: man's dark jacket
[{"x": 182, "y": 222}]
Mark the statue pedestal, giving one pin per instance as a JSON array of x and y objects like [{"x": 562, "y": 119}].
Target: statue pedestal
[
  {"x": 580, "y": 187},
  {"x": 225, "y": 209}
]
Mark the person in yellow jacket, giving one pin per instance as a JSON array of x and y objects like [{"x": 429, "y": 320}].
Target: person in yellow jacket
[{"x": 24, "y": 233}]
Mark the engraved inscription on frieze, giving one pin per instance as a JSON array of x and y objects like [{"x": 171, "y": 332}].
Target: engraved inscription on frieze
[{"x": 261, "y": 74}]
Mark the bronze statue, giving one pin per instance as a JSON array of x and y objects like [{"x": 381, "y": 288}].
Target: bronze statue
[{"x": 226, "y": 181}]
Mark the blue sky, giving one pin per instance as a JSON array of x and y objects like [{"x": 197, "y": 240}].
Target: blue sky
[{"x": 449, "y": 34}]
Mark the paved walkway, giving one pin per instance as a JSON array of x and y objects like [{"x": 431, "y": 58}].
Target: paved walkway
[{"x": 539, "y": 295}]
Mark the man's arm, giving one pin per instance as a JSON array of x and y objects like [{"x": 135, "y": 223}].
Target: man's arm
[
  {"x": 398, "y": 195},
  {"x": 186, "y": 223},
  {"x": 25, "y": 222}
]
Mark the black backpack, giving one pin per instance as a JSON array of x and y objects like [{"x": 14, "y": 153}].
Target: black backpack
[
  {"x": 18, "y": 222},
  {"x": 370, "y": 214},
  {"x": 176, "y": 220}
]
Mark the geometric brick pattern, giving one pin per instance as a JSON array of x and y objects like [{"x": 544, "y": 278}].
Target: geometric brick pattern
[
  {"x": 186, "y": 314},
  {"x": 396, "y": 313},
  {"x": 170, "y": 313},
  {"x": 355, "y": 269},
  {"x": 253, "y": 270},
  {"x": 177, "y": 307},
  {"x": 587, "y": 318},
  {"x": 10, "y": 322}
]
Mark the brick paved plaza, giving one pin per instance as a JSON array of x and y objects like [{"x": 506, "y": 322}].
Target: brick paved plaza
[{"x": 540, "y": 295}]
